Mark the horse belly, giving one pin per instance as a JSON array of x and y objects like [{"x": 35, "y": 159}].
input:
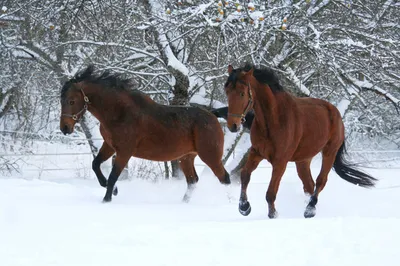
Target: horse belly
[
  {"x": 310, "y": 145},
  {"x": 302, "y": 154},
  {"x": 164, "y": 149}
]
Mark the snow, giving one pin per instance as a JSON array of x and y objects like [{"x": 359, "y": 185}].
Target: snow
[
  {"x": 199, "y": 99},
  {"x": 368, "y": 85},
  {"x": 4, "y": 102},
  {"x": 114, "y": 44},
  {"x": 342, "y": 106},
  {"x": 297, "y": 81},
  {"x": 51, "y": 214},
  {"x": 4, "y": 9},
  {"x": 63, "y": 222},
  {"x": 314, "y": 9},
  {"x": 172, "y": 60},
  {"x": 162, "y": 39},
  {"x": 317, "y": 35}
]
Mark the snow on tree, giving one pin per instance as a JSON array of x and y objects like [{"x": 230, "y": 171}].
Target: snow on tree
[{"x": 346, "y": 52}]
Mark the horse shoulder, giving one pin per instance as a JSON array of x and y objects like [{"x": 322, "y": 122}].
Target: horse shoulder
[{"x": 106, "y": 134}]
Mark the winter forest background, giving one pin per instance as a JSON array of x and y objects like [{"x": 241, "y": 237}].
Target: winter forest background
[{"x": 346, "y": 52}]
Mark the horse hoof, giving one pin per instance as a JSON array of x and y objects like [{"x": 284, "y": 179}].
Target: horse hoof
[
  {"x": 309, "y": 212},
  {"x": 244, "y": 208},
  {"x": 272, "y": 215},
  {"x": 115, "y": 191},
  {"x": 227, "y": 181},
  {"x": 106, "y": 200},
  {"x": 186, "y": 198}
]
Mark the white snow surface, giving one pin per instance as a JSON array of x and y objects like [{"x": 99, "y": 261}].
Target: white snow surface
[
  {"x": 62, "y": 221},
  {"x": 342, "y": 106}
]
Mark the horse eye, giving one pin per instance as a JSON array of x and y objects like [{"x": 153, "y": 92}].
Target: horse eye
[
  {"x": 242, "y": 94},
  {"x": 71, "y": 102}
]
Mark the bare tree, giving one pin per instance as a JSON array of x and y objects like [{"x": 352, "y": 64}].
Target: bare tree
[{"x": 346, "y": 52}]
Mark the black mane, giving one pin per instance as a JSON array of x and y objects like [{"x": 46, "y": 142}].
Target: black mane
[
  {"x": 262, "y": 75},
  {"x": 105, "y": 79}
]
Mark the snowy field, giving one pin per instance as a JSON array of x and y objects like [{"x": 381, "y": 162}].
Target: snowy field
[{"x": 62, "y": 221}]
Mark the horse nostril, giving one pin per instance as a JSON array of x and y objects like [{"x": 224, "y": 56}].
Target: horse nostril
[
  {"x": 65, "y": 130},
  {"x": 234, "y": 128}
]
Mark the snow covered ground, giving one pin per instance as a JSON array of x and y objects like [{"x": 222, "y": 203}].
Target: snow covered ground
[{"x": 61, "y": 221}]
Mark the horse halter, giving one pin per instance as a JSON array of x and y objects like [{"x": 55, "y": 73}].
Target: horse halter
[
  {"x": 85, "y": 107},
  {"x": 243, "y": 115}
]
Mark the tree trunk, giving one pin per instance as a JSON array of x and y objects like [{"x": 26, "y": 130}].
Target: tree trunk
[
  {"x": 166, "y": 170},
  {"x": 232, "y": 149},
  {"x": 6, "y": 101},
  {"x": 89, "y": 136},
  {"x": 169, "y": 57},
  {"x": 181, "y": 97}
]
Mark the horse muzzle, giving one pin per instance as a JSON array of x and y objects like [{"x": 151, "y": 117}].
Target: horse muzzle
[
  {"x": 234, "y": 127},
  {"x": 66, "y": 129}
]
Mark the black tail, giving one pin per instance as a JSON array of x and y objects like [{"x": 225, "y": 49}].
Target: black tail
[
  {"x": 221, "y": 112},
  {"x": 347, "y": 171}
]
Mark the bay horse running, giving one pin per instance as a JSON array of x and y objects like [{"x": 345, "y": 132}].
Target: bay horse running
[
  {"x": 287, "y": 128},
  {"x": 132, "y": 124}
]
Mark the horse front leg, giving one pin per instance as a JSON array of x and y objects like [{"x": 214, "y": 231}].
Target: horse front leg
[
  {"x": 252, "y": 162},
  {"x": 120, "y": 161},
  {"x": 278, "y": 169},
  {"x": 106, "y": 151}
]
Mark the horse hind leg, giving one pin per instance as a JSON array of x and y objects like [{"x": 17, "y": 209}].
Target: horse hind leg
[
  {"x": 210, "y": 148},
  {"x": 187, "y": 166},
  {"x": 328, "y": 159},
  {"x": 218, "y": 169},
  {"x": 120, "y": 161},
  {"x": 216, "y": 166},
  {"x": 303, "y": 170}
]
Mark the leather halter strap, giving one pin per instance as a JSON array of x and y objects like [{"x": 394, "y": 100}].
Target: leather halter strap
[
  {"x": 85, "y": 107},
  {"x": 247, "y": 109}
]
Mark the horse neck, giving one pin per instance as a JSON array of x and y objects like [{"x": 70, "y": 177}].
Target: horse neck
[
  {"x": 265, "y": 107},
  {"x": 100, "y": 101}
]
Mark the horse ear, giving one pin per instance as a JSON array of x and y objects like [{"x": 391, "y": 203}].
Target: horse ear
[{"x": 230, "y": 69}]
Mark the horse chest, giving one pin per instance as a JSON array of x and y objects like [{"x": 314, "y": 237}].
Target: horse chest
[
  {"x": 262, "y": 144},
  {"x": 106, "y": 136}
]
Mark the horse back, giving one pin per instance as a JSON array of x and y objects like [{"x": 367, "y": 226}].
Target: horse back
[
  {"x": 165, "y": 133},
  {"x": 320, "y": 122}
]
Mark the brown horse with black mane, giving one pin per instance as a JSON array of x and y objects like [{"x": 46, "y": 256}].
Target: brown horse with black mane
[
  {"x": 132, "y": 124},
  {"x": 287, "y": 128}
]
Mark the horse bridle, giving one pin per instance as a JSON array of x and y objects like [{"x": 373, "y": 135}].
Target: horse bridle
[
  {"x": 243, "y": 115},
  {"x": 85, "y": 107}
]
